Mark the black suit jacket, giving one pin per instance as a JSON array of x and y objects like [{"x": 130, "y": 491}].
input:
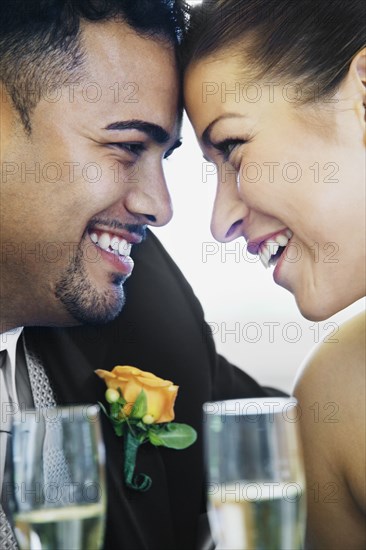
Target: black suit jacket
[{"x": 162, "y": 330}]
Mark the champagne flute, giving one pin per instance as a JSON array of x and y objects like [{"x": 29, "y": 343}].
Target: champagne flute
[
  {"x": 256, "y": 484},
  {"x": 59, "y": 494}
]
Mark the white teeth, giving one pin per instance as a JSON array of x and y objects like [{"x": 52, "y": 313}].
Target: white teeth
[
  {"x": 282, "y": 240},
  {"x": 264, "y": 260},
  {"x": 265, "y": 252},
  {"x": 104, "y": 241},
  {"x": 124, "y": 248},
  {"x": 269, "y": 249},
  {"x": 264, "y": 255},
  {"x": 114, "y": 243},
  {"x": 272, "y": 247}
]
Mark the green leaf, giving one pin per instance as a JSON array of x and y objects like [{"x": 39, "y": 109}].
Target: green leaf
[
  {"x": 174, "y": 436},
  {"x": 155, "y": 439},
  {"x": 118, "y": 428},
  {"x": 121, "y": 399},
  {"x": 141, "y": 426},
  {"x": 139, "y": 408},
  {"x": 115, "y": 408}
]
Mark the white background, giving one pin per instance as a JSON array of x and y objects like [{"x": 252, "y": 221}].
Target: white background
[{"x": 238, "y": 295}]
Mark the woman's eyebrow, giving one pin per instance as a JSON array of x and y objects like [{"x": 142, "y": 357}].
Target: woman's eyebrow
[{"x": 206, "y": 134}]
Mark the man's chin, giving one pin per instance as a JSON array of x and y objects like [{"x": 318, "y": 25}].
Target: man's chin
[
  {"x": 97, "y": 313},
  {"x": 89, "y": 305},
  {"x": 86, "y": 300}
]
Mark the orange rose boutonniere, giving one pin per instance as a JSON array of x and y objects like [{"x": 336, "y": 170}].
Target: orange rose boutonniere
[{"x": 141, "y": 408}]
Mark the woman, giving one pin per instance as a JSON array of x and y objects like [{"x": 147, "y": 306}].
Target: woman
[{"x": 276, "y": 94}]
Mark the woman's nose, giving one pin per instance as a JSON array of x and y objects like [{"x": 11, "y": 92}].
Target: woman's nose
[{"x": 229, "y": 212}]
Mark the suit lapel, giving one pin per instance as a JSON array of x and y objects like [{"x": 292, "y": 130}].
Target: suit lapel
[{"x": 70, "y": 357}]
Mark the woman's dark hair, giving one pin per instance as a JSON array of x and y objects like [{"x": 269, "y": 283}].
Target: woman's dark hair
[
  {"x": 40, "y": 41},
  {"x": 311, "y": 42}
]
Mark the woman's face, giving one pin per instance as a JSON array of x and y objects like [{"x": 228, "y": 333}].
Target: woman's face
[{"x": 291, "y": 178}]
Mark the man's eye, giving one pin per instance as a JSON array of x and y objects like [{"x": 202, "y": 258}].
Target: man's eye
[
  {"x": 133, "y": 148},
  {"x": 227, "y": 146}
]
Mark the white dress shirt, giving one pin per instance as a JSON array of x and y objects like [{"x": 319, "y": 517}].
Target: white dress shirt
[
  {"x": 8, "y": 394},
  {"x": 8, "y": 342}
]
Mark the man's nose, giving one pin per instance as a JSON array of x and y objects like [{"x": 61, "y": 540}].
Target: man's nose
[{"x": 149, "y": 199}]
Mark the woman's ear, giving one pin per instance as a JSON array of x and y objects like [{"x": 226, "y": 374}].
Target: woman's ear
[
  {"x": 360, "y": 65},
  {"x": 357, "y": 72}
]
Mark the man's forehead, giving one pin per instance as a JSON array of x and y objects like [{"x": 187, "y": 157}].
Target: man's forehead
[
  {"x": 122, "y": 76},
  {"x": 117, "y": 57},
  {"x": 118, "y": 47}
]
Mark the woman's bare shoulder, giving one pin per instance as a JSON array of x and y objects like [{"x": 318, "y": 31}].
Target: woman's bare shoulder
[
  {"x": 338, "y": 363},
  {"x": 331, "y": 390}
]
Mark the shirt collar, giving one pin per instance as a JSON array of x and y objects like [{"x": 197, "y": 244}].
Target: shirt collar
[{"x": 8, "y": 342}]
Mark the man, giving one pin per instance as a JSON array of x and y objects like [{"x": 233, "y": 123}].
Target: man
[
  {"x": 84, "y": 130},
  {"x": 90, "y": 107}
]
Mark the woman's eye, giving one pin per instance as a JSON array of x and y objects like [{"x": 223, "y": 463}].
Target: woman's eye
[{"x": 227, "y": 147}]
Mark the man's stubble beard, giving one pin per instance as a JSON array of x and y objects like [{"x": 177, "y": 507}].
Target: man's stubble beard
[{"x": 82, "y": 299}]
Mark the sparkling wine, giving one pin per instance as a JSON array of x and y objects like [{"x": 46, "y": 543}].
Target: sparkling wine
[
  {"x": 258, "y": 516},
  {"x": 68, "y": 528}
]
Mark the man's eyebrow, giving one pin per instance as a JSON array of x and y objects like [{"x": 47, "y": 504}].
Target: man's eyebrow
[
  {"x": 154, "y": 131},
  {"x": 206, "y": 135}
]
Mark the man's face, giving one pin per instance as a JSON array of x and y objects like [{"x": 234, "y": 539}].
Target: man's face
[{"x": 80, "y": 190}]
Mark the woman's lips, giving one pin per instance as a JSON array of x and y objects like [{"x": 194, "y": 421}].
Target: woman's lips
[{"x": 271, "y": 247}]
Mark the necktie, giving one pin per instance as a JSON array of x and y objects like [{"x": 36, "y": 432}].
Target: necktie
[
  {"x": 42, "y": 391},
  {"x": 9, "y": 405},
  {"x": 22, "y": 381},
  {"x": 30, "y": 379},
  {"x": 7, "y": 539}
]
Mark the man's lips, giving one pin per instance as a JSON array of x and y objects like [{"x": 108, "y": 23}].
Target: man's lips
[
  {"x": 122, "y": 264},
  {"x": 115, "y": 247}
]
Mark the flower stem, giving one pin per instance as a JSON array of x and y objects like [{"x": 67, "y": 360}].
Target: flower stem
[{"x": 139, "y": 482}]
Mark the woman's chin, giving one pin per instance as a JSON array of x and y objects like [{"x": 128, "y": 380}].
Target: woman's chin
[
  {"x": 318, "y": 309},
  {"x": 325, "y": 297}
]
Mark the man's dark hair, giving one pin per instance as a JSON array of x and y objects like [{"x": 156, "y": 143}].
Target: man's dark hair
[
  {"x": 310, "y": 42},
  {"x": 40, "y": 40}
]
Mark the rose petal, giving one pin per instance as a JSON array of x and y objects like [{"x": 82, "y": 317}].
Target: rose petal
[
  {"x": 160, "y": 403},
  {"x": 126, "y": 370},
  {"x": 159, "y": 383}
]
